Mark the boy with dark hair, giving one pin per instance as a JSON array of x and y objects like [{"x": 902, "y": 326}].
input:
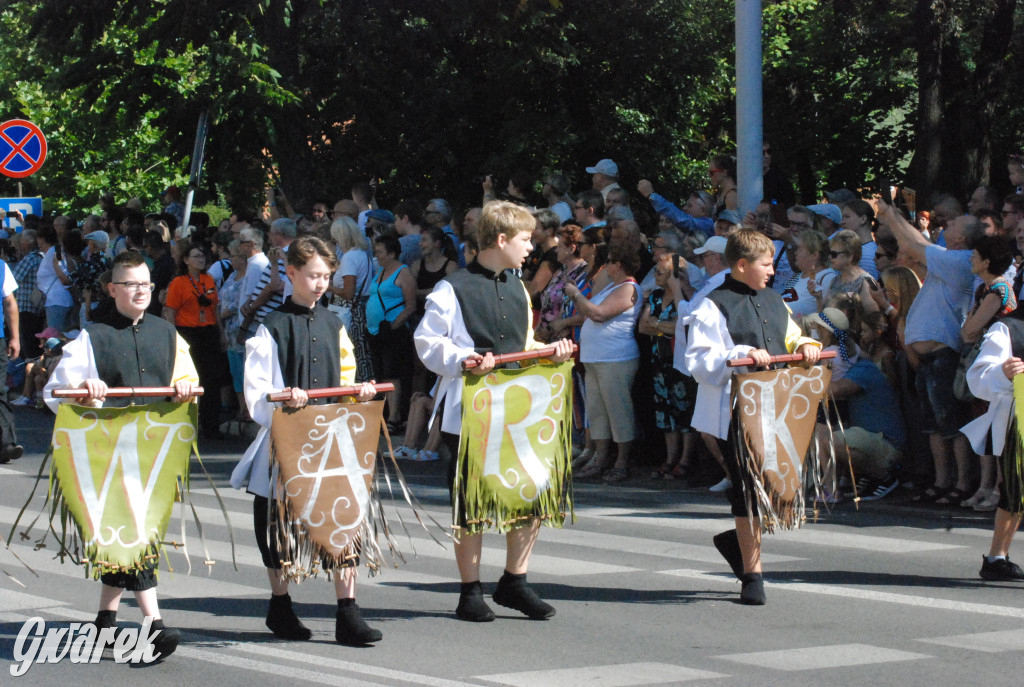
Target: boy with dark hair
[
  {"x": 742, "y": 318},
  {"x": 475, "y": 314},
  {"x": 299, "y": 346},
  {"x": 131, "y": 348}
]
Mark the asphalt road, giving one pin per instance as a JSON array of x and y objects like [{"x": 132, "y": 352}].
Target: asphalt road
[{"x": 887, "y": 594}]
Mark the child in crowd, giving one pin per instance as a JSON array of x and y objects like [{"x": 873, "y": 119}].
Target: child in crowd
[{"x": 299, "y": 346}]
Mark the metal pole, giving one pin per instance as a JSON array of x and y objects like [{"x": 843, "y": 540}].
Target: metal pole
[
  {"x": 749, "y": 114},
  {"x": 197, "y": 165}
]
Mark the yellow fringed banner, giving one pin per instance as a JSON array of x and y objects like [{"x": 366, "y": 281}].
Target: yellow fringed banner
[
  {"x": 115, "y": 471},
  {"x": 514, "y": 459},
  {"x": 1012, "y": 460}
]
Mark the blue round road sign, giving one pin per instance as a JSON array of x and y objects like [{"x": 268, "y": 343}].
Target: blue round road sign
[{"x": 22, "y": 148}]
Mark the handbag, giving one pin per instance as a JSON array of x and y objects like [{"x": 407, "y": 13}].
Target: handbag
[{"x": 960, "y": 387}]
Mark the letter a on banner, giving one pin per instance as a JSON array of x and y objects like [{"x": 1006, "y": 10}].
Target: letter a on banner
[{"x": 514, "y": 450}]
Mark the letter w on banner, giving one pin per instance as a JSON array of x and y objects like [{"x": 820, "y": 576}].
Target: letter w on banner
[
  {"x": 775, "y": 413},
  {"x": 116, "y": 472},
  {"x": 514, "y": 452}
]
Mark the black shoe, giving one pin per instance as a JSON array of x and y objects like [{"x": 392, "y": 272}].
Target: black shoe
[
  {"x": 1002, "y": 570},
  {"x": 513, "y": 592},
  {"x": 165, "y": 643},
  {"x": 752, "y": 593},
  {"x": 283, "y": 622},
  {"x": 351, "y": 630},
  {"x": 882, "y": 489},
  {"x": 472, "y": 607},
  {"x": 728, "y": 544},
  {"x": 11, "y": 452}
]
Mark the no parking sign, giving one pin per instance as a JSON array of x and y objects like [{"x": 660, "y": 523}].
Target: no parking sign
[{"x": 22, "y": 148}]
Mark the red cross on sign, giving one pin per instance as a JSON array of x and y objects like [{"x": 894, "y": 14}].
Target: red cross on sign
[{"x": 22, "y": 148}]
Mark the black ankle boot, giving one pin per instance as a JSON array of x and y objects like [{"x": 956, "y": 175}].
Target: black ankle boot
[
  {"x": 472, "y": 606},
  {"x": 283, "y": 622},
  {"x": 513, "y": 592},
  {"x": 350, "y": 629},
  {"x": 166, "y": 641},
  {"x": 752, "y": 593},
  {"x": 728, "y": 544}
]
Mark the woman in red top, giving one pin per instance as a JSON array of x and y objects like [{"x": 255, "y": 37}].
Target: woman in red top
[{"x": 191, "y": 305}]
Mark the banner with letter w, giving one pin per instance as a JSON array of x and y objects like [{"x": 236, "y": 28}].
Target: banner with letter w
[
  {"x": 514, "y": 460},
  {"x": 774, "y": 416},
  {"x": 116, "y": 472}
]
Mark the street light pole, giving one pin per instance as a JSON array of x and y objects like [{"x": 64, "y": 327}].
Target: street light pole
[{"x": 749, "y": 112}]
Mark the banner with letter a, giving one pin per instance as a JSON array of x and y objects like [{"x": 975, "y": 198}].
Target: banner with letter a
[
  {"x": 774, "y": 414},
  {"x": 116, "y": 472},
  {"x": 514, "y": 460},
  {"x": 325, "y": 458}
]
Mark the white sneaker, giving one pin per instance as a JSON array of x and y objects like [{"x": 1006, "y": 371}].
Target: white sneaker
[
  {"x": 721, "y": 486},
  {"x": 22, "y": 401}
]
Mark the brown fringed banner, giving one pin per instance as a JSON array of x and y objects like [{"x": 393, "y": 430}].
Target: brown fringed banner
[
  {"x": 775, "y": 414},
  {"x": 325, "y": 457}
]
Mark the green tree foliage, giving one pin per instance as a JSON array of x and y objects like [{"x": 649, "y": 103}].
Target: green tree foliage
[{"x": 312, "y": 95}]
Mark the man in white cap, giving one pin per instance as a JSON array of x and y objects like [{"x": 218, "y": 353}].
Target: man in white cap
[
  {"x": 605, "y": 176},
  {"x": 715, "y": 269}
]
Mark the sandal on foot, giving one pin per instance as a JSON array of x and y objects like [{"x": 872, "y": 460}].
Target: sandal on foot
[
  {"x": 953, "y": 497},
  {"x": 680, "y": 471},
  {"x": 929, "y": 494},
  {"x": 591, "y": 469},
  {"x": 616, "y": 475},
  {"x": 663, "y": 472}
]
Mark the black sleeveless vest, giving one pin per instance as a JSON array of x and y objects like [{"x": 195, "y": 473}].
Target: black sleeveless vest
[
  {"x": 133, "y": 355},
  {"x": 308, "y": 350},
  {"x": 494, "y": 308},
  {"x": 753, "y": 318}
]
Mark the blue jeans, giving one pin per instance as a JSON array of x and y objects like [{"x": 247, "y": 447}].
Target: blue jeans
[
  {"x": 941, "y": 412},
  {"x": 57, "y": 317}
]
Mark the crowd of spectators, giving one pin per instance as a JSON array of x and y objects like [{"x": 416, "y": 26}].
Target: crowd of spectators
[{"x": 903, "y": 295}]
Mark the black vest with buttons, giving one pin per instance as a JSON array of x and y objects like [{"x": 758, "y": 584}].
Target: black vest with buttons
[
  {"x": 133, "y": 355},
  {"x": 753, "y": 318},
  {"x": 308, "y": 350},
  {"x": 494, "y": 308}
]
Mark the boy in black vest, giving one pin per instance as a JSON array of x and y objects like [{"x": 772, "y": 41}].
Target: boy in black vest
[
  {"x": 129, "y": 349},
  {"x": 475, "y": 314},
  {"x": 742, "y": 318}
]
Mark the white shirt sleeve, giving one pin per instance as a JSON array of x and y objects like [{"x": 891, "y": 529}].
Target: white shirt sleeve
[
  {"x": 262, "y": 375},
  {"x": 435, "y": 338},
  {"x": 710, "y": 346},
  {"x": 76, "y": 365}
]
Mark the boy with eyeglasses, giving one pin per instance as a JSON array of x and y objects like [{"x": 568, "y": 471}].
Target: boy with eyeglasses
[{"x": 131, "y": 348}]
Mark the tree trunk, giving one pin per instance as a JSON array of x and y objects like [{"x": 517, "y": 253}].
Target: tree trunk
[{"x": 923, "y": 174}]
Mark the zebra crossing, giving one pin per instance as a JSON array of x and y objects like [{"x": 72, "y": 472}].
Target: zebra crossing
[{"x": 643, "y": 598}]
